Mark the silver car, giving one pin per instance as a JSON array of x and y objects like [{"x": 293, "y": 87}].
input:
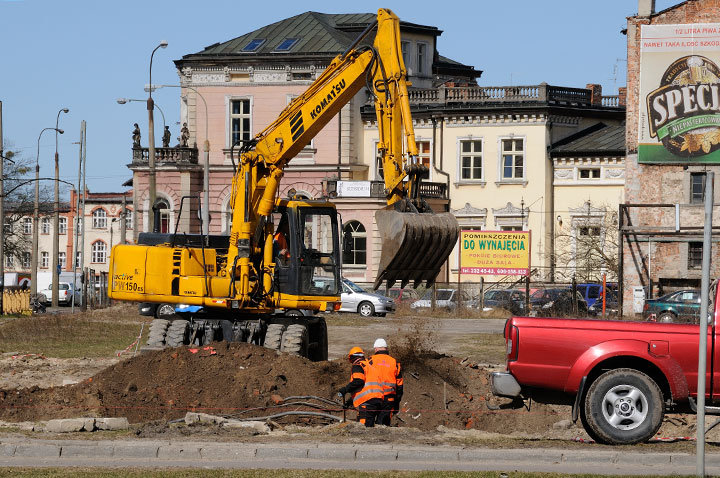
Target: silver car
[
  {"x": 445, "y": 299},
  {"x": 356, "y": 299}
]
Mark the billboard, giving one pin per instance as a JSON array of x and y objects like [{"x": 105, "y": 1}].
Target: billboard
[
  {"x": 495, "y": 252},
  {"x": 679, "y": 94}
]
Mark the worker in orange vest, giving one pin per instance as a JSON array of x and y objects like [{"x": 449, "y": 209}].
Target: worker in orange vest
[
  {"x": 280, "y": 242},
  {"x": 356, "y": 356},
  {"x": 388, "y": 373}
]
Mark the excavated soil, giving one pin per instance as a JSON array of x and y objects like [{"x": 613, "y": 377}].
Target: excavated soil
[{"x": 164, "y": 385}]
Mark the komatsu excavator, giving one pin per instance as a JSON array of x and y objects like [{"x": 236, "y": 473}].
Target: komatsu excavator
[{"x": 285, "y": 253}]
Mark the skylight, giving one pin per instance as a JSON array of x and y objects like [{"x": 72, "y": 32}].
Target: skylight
[
  {"x": 254, "y": 44},
  {"x": 287, "y": 44}
]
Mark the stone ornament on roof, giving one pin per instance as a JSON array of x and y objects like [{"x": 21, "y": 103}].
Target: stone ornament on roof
[
  {"x": 587, "y": 210},
  {"x": 510, "y": 210},
  {"x": 469, "y": 210}
]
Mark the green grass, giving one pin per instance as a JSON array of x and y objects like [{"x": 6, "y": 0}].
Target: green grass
[
  {"x": 90, "y": 334},
  {"x": 485, "y": 348},
  {"x": 155, "y": 473},
  {"x": 352, "y": 320}
]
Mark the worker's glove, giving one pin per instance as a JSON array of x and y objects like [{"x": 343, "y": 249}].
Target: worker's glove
[
  {"x": 348, "y": 403},
  {"x": 342, "y": 392}
]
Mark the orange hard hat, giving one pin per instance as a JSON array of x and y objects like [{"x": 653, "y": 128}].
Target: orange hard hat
[{"x": 355, "y": 351}]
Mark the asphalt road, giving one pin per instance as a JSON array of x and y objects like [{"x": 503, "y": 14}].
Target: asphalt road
[{"x": 192, "y": 454}]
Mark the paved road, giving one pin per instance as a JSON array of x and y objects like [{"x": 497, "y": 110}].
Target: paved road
[
  {"x": 449, "y": 331},
  {"x": 190, "y": 454}
]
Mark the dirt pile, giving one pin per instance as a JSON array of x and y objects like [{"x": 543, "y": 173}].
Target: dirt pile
[{"x": 230, "y": 378}]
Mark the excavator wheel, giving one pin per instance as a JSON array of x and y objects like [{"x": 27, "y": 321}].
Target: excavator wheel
[
  {"x": 158, "y": 331},
  {"x": 177, "y": 333},
  {"x": 295, "y": 340},
  {"x": 414, "y": 245},
  {"x": 273, "y": 336}
]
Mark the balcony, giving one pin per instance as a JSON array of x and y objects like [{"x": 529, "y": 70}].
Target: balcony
[
  {"x": 376, "y": 189},
  {"x": 177, "y": 156}
]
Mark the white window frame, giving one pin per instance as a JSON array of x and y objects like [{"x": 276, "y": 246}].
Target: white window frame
[
  {"x": 26, "y": 260},
  {"x": 579, "y": 218},
  {"x": 45, "y": 225},
  {"x": 229, "y": 116},
  {"x": 128, "y": 219},
  {"x": 9, "y": 261},
  {"x": 501, "y": 160},
  {"x": 98, "y": 256},
  {"x": 27, "y": 225},
  {"x": 357, "y": 235},
  {"x": 422, "y": 64},
  {"x": 44, "y": 260},
  {"x": 62, "y": 225},
  {"x": 78, "y": 259},
  {"x": 99, "y": 221},
  {"x": 62, "y": 260},
  {"x": 406, "y": 53},
  {"x": 460, "y": 180},
  {"x": 580, "y": 169}
]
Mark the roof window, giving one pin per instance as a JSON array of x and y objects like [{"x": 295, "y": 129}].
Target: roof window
[
  {"x": 287, "y": 44},
  {"x": 254, "y": 44}
]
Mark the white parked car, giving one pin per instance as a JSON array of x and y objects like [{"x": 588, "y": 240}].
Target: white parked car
[{"x": 65, "y": 294}]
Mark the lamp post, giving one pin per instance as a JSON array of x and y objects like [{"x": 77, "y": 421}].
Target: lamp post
[
  {"x": 122, "y": 101},
  {"x": 206, "y": 160},
  {"x": 56, "y": 218},
  {"x": 151, "y": 140},
  {"x": 36, "y": 207}
]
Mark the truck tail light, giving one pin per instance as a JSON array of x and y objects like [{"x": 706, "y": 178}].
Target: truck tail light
[{"x": 512, "y": 342}]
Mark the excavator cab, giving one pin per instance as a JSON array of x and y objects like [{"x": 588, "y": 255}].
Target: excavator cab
[{"x": 306, "y": 249}]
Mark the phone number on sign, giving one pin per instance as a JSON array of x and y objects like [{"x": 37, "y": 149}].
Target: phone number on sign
[{"x": 493, "y": 270}]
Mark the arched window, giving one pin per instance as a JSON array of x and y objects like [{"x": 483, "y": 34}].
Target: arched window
[
  {"x": 354, "y": 243},
  {"x": 99, "y": 218},
  {"x": 164, "y": 206},
  {"x": 99, "y": 252}
]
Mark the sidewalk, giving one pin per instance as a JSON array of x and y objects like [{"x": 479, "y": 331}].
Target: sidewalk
[{"x": 193, "y": 454}]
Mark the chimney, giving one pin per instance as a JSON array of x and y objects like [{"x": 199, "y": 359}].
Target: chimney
[
  {"x": 622, "y": 96},
  {"x": 595, "y": 93},
  {"x": 646, "y": 8}
]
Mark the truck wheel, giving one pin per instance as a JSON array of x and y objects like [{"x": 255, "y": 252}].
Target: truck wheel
[
  {"x": 295, "y": 340},
  {"x": 366, "y": 309},
  {"x": 177, "y": 333},
  {"x": 667, "y": 318},
  {"x": 164, "y": 310},
  {"x": 273, "y": 336},
  {"x": 623, "y": 407},
  {"x": 319, "y": 337},
  {"x": 158, "y": 329}
]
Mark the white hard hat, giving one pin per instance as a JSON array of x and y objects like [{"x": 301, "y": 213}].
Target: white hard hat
[{"x": 380, "y": 344}]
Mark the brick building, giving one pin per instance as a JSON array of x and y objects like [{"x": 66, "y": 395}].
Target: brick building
[{"x": 672, "y": 74}]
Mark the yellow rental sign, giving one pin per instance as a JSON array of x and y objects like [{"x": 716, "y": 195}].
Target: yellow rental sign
[{"x": 495, "y": 252}]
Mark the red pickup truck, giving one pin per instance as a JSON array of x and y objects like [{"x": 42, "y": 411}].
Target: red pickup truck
[{"x": 620, "y": 376}]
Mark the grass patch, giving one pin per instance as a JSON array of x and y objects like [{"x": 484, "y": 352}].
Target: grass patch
[
  {"x": 97, "y": 333},
  {"x": 484, "y": 348},
  {"x": 352, "y": 320},
  {"x": 155, "y": 473},
  {"x": 404, "y": 310}
]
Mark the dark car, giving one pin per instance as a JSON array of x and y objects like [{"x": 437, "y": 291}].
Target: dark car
[
  {"x": 612, "y": 306},
  {"x": 680, "y": 306},
  {"x": 151, "y": 309},
  {"x": 557, "y": 303},
  {"x": 509, "y": 299}
]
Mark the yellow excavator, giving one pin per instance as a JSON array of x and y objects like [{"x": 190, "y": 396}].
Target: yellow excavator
[{"x": 285, "y": 253}]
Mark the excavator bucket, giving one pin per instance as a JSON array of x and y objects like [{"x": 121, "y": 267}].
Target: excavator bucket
[{"x": 414, "y": 245}]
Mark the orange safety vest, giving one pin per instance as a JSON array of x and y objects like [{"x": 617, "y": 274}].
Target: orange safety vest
[
  {"x": 382, "y": 378},
  {"x": 371, "y": 389},
  {"x": 358, "y": 374},
  {"x": 282, "y": 243}
]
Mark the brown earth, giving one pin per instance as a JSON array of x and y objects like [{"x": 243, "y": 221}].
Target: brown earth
[{"x": 164, "y": 385}]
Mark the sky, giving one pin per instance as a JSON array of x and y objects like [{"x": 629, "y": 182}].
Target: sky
[{"x": 84, "y": 54}]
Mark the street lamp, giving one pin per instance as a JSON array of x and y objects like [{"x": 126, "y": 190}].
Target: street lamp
[
  {"x": 151, "y": 139},
  {"x": 56, "y": 218},
  {"x": 36, "y": 207},
  {"x": 206, "y": 157},
  {"x": 122, "y": 101}
]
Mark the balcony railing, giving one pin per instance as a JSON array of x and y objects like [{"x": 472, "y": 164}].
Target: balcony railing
[
  {"x": 376, "y": 189},
  {"x": 508, "y": 94},
  {"x": 166, "y": 155}
]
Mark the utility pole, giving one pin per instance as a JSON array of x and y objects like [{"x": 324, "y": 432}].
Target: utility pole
[
  {"x": 2, "y": 216},
  {"x": 82, "y": 215},
  {"x": 78, "y": 215},
  {"x": 123, "y": 218},
  {"x": 55, "y": 268}
]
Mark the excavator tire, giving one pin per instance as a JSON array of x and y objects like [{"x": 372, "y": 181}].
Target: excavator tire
[
  {"x": 318, "y": 336},
  {"x": 158, "y": 331},
  {"x": 177, "y": 333},
  {"x": 295, "y": 340},
  {"x": 273, "y": 336},
  {"x": 414, "y": 245}
]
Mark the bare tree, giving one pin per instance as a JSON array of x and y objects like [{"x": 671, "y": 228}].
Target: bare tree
[{"x": 586, "y": 246}]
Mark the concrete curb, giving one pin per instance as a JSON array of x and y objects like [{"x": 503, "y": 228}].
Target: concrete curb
[{"x": 30, "y": 452}]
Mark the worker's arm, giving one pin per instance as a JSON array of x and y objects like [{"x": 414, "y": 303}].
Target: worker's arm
[
  {"x": 398, "y": 386},
  {"x": 357, "y": 380}
]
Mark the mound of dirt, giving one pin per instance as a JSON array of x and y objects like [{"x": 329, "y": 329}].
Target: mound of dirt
[{"x": 232, "y": 377}]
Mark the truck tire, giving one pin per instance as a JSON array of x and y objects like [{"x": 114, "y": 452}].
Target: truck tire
[
  {"x": 177, "y": 333},
  {"x": 318, "y": 336},
  {"x": 273, "y": 336},
  {"x": 158, "y": 330},
  {"x": 295, "y": 340},
  {"x": 667, "y": 318},
  {"x": 623, "y": 407},
  {"x": 165, "y": 310}
]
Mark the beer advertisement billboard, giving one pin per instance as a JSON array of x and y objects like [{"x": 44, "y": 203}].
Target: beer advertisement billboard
[
  {"x": 679, "y": 94},
  {"x": 504, "y": 253}
]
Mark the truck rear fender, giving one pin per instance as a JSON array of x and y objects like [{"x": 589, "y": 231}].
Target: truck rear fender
[{"x": 628, "y": 354}]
